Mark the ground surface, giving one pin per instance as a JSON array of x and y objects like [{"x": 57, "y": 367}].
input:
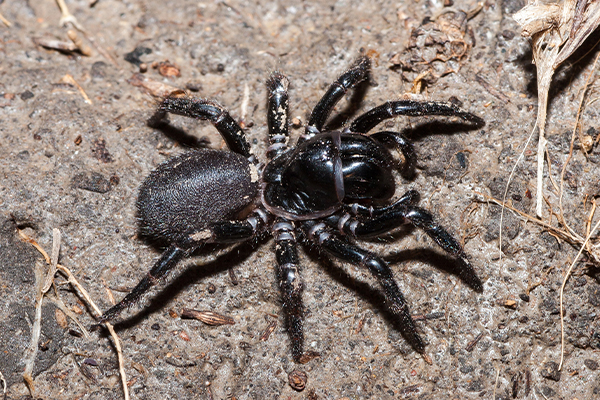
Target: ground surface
[{"x": 76, "y": 166}]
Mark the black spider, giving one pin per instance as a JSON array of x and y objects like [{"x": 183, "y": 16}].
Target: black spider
[{"x": 329, "y": 189}]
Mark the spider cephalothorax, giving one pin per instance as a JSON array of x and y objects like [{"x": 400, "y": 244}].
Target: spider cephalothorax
[{"x": 329, "y": 189}]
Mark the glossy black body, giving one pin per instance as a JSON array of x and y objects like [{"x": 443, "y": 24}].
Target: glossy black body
[
  {"x": 318, "y": 176},
  {"x": 328, "y": 190}
]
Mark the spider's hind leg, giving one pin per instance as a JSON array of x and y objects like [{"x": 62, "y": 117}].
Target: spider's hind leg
[
  {"x": 169, "y": 259},
  {"x": 218, "y": 232}
]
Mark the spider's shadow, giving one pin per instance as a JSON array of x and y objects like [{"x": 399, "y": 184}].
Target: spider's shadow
[
  {"x": 436, "y": 127},
  {"x": 177, "y": 134}
]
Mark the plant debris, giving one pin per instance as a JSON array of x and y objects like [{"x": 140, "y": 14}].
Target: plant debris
[
  {"x": 556, "y": 31},
  {"x": 436, "y": 48},
  {"x": 208, "y": 317}
]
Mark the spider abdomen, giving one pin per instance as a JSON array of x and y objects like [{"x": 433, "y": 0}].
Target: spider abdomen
[{"x": 187, "y": 193}]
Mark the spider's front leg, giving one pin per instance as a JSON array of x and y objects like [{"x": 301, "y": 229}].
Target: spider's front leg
[
  {"x": 219, "y": 232},
  {"x": 209, "y": 110},
  {"x": 345, "y": 251},
  {"x": 391, "y": 109},
  {"x": 357, "y": 72},
  {"x": 407, "y": 149},
  {"x": 277, "y": 114},
  {"x": 403, "y": 212}
]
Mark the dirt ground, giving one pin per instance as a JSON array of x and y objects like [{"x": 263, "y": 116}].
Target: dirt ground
[{"x": 75, "y": 164}]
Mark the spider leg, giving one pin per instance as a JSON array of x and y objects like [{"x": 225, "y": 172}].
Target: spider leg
[
  {"x": 357, "y": 72},
  {"x": 220, "y": 232},
  {"x": 409, "y": 198},
  {"x": 402, "y": 213},
  {"x": 403, "y": 144},
  {"x": 345, "y": 251},
  {"x": 207, "y": 110},
  {"x": 390, "y": 109},
  {"x": 169, "y": 259},
  {"x": 290, "y": 283},
  {"x": 277, "y": 114}
]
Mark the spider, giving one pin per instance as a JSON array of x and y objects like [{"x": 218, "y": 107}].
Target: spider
[{"x": 329, "y": 189}]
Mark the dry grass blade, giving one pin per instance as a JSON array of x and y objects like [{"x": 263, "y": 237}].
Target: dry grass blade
[
  {"x": 73, "y": 281},
  {"x": 556, "y": 31},
  {"x": 586, "y": 18}
]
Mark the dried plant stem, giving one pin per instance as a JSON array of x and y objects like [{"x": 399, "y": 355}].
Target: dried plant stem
[
  {"x": 5, "y": 21},
  {"x": 496, "y": 382},
  {"x": 36, "y": 328},
  {"x": 73, "y": 281},
  {"x": 544, "y": 80},
  {"x": 68, "y": 18},
  {"x": 510, "y": 177},
  {"x": 565, "y": 235},
  {"x": 61, "y": 306},
  {"x": 556, "y": 31}
]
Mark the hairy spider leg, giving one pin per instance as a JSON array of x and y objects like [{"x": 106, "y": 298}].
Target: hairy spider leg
[
  {"x": 290, "y": 283},
  {"x": 345, "y": 251},
  {"x": 209, "y": 110},
  {"x": 220, "y": 232},
  {"x": 367, "y": 121},
  {"x": 277, "y": 114},
  {"x": 357, "y": 73},
  {"x": 404, "y": 212}
]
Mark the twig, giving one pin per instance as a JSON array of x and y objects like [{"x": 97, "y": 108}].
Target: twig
[
  {"x": 36, "y": 328},
  {"x": 5, "y": 21},
  {"x": 73, "y": 281},
  {"x": 568, "y": 236},
  {"x": 110, "y": 328},
  {"x": 119, "y": 358},
  {"x": 68, "y": 18},
  {"x": 68, "y": 78},
  {"x": 471, "y": 345},
  {"x": 61, "y": 306}
]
